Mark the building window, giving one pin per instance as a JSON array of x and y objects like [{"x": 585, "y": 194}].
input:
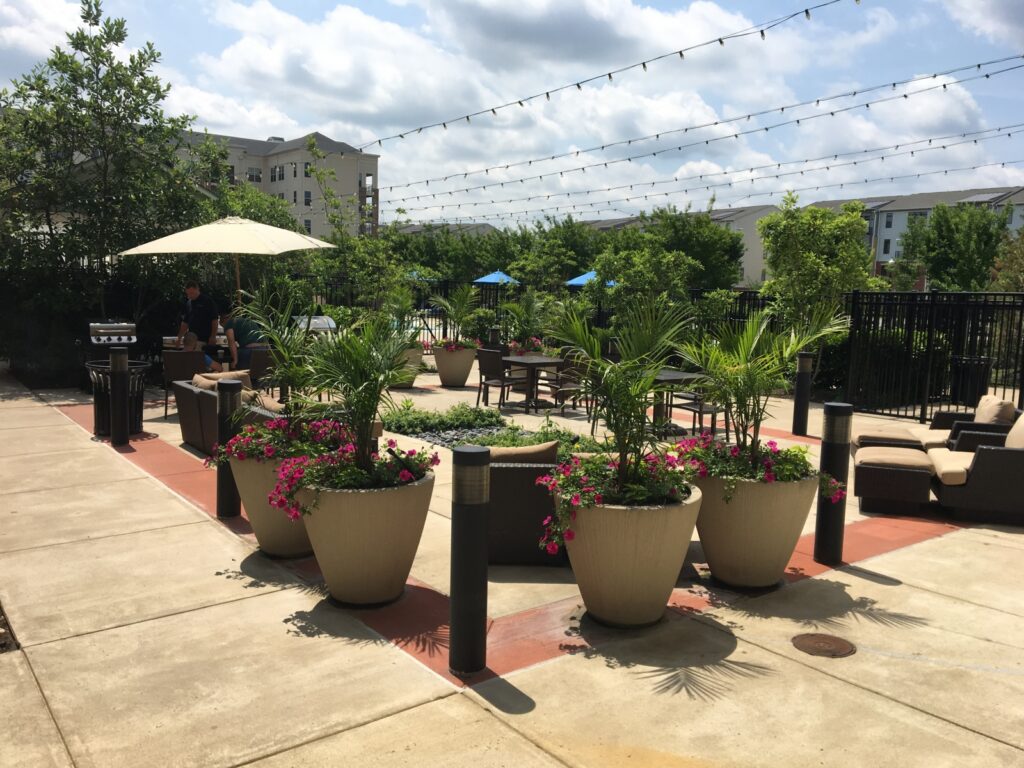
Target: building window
[
  {"x": 888, "y": 220},
  {"x": 295, "y": 170},
  {"x": 885, "y": 246},
  {"x": 917, "y": 214},
  {"x": 308, "y": 225},
  {"x": 273, "y": 173},
  {"x": 307, "y": 198},
  {"x": 305, "y": 169},
  {"x": 295, "y": 197},
  {"x": 254, "y": 174},
  {"x": 231, "y": 174}
]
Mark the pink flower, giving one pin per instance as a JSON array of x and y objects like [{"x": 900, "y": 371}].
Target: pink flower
[
  {"x": 391, "y": 443},
  {"x": 570, "y": 534},
  {"x": 269, "y": 451},
  {"x": 769, "y": 477},
  {"x": 772, "y": 446},
  {"x": 575, "y": 500},
  {"x": 598, "y": 498},
  {"x": 551, "y": 548},
  {"x": 411, "y": 452},
  {"x": 434, "y": 459},
  {"x": 405, "y": 476},
  {"x": 547, "y": 521},
  {"x": 734, "y": 451}
]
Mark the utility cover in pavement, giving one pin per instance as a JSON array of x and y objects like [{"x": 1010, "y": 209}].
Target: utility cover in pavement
[{"x": 824, "y": 645}]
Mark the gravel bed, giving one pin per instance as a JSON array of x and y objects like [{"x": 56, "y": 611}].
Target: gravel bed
[{"x": 452, "y": 437}]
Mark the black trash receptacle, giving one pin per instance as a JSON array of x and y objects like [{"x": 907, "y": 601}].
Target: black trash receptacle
[
  {"x": 969, "y": 378},
  {"x": 99, "y": 375}
]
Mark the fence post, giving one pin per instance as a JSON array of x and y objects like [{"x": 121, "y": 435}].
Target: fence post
[
  {"x": 119, "y": 396},
  {"x": 229, "y": 400},
  {"x": 929, "y": 357},
  {"x": 471, "y": 494},
  {"x": 830, "y": 523},
  {"x": 802, "y": 391},
  {"x": 851, "y": 347}
]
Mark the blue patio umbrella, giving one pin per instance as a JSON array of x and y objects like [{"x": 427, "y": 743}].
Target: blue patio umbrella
[
  {"x": 496, "y": 278},
  {"x": 586, "y": 277}
]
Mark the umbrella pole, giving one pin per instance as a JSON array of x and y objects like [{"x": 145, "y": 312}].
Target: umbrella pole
[{"x": 238, "y": 282}]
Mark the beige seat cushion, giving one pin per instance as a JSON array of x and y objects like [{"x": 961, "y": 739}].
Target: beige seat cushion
[
  {"x": 268, "y": 403},
  {"x": 201, "y": 382},
  {"x": 951, "y": 466},
  {"x": 992, "y": 410},
  {"x": 930, "y": 438},
  {"x": 542, "y": 453},
  {"x": 904, "y": 458},
  {"x": 1015, "y": 437},
  {"x": 889, "y": 433},
  {"x": 240, "y": 375}
]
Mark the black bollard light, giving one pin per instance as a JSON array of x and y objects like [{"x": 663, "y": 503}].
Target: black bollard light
[
  {"x": 229, "y": 400},
  {"x": 802, "y": 392},
  {"x": 471, "y": 494},
  {"x": 119, "y": 395},
  {"x": 835, "y": 461}
]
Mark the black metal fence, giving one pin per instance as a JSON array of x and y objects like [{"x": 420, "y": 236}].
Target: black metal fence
[{"x": 911, "y": 354}]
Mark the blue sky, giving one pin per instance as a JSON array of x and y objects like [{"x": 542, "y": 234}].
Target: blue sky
[{"x": 359, "y": 70}]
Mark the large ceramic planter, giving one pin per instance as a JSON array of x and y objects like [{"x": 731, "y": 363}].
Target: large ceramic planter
[
  {"x": 277, "y": 534},
  {"x": 627, "y": 559},
  {"x": 453, "y": 367},
  {"x": 365, "y": 540},
  {"x": 413, "y": 357},
  {"x": 749, "y": 540}
]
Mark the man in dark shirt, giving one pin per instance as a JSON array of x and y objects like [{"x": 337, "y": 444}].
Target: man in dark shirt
[{"x": 199, "y": 315}]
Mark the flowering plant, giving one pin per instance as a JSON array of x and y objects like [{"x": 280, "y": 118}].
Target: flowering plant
[
  {"x": 339, "y": 469},
  {"x": 595, "y": 480},
  {"x": 452, "y": 345},
  {"x": 531, "y": 345},
  {"x": 281, "y": 438}
]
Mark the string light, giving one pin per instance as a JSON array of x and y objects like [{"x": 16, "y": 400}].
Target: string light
[
  {"x": 757, "y": 28},
  {"x": 780, "y": 109}
]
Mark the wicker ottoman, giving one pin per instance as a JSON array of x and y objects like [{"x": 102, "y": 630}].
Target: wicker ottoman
[{"x": 892, "y": 480}]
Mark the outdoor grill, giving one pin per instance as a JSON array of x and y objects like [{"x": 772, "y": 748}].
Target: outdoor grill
[
  {"x": 103, "y": 336},
  {"x": 317, "y": 323}
]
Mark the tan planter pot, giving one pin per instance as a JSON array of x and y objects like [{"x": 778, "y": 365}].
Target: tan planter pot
[
  {"x": 365, "y": 540},
  {"x": 749, "y": 540},
  {"x": 453, "y": 367},
  {"x": 277, "y": 534},
  {"x": 627, "y": 559},
  {"x": 413, "y": 357}
]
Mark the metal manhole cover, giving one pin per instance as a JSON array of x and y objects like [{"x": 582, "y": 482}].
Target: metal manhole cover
[{"x": 824, "y": 645}]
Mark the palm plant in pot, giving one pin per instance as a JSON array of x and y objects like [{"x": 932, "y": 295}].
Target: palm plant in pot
[
  {"x": 400, "y": 306},
  {"x": 364, "y": 508},
  {"x": 454, "y": 354},
  {"x": 626, "y": 517},
  {"x": 756, "y": 496}
]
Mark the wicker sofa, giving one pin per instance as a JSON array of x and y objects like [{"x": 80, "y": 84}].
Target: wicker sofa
[{"x": 196, "y": 403}]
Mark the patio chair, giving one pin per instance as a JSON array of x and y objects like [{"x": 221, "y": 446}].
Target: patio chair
[
  {"x": 696, "y": 405},
  {"x": 259, "y": 366},
  {"x": 492, "y": 374},
  {"x": 948, "y": 429},
  {"x": 568, "y": 385},
  {"x": 180, "y": 365},
  {"x": 979, "y": 486}
]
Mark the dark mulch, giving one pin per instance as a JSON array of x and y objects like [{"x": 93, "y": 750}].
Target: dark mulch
[{"x": 7, "y": 641}]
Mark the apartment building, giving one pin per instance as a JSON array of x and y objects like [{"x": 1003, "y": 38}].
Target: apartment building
[
  {"x": 889, "y": 217},
  {"x": 281, "y": 168}
]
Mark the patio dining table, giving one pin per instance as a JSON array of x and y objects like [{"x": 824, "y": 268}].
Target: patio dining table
[
  {"x": 532, "y": 364},
  {"x": 672, "y": 378}
]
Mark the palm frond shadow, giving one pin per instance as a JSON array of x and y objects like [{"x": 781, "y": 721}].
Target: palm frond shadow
[
  {"x": 824, "y": 604},
  {"x": 256, "y": 571},
  {"x": 325, "y": 620},
  {"x": 679, "y": 656}
]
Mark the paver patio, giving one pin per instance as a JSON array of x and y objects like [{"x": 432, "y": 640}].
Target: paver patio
[{"x": 153, "y": 634}]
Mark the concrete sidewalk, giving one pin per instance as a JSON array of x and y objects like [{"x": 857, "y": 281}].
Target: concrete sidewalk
[{"x": 154, "y": 635}]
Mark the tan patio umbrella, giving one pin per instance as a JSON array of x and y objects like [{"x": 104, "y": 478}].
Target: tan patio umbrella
[{"x": 233, "y": 235}]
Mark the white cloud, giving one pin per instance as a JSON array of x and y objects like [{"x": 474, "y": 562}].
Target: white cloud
[
  {"x": 29, "y": 29},
  {"x": 998, "y": 20}
]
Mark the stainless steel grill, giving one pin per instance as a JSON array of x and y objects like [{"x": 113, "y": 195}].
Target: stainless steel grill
[
  {"x": 317, "y": 323},
  {"x": 112, "y": 334}
]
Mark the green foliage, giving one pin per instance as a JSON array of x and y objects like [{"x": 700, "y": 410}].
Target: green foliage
[
  {"x": 406, "y": 419},
  {"x": 716, "y": 251},
  {"x": 290, "y": 344},
  {"x": 569, "y": 442},
  {"x": 623, "y": 392},
  {"x": 479, "y": 323},
  {"x": 743, "y": 364},
  {"x": 1008, "y": 274},
  {"x": 527, "y": 317},
  {"x": 457, "y": 308},
  {"x": 957, "y": 245},
  {"x": 714, "y": 308},
  {"x": 814, "y": 256}
]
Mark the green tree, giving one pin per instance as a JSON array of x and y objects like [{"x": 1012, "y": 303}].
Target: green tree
[
  {"x": 717, "y": 250},
  {"x": 814, "y": 256},
  {"x": 1008, "y": 274},
  {"x": 957, "y": 245},
  {"x": 89, "y": 166}
]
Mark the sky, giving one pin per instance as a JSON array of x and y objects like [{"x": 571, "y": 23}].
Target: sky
[{"x": 367, "y": 70}]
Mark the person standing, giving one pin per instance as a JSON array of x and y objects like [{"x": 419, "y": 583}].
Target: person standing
[
  {"x": 243, "y": 334},
  {"x": 199, "y": 316}
]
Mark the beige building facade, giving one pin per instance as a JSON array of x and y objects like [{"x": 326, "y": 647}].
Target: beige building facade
[{"x": 282, "y": 169}]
